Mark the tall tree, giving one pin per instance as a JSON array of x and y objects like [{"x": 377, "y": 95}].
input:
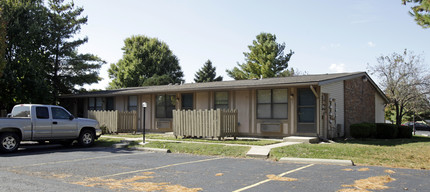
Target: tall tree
[
  {"x": 67, "y": 67},
  {"x": 405, "y": 80},
  {"x": 146, "y": 61},
  {"x": 24, "y": 77},
  {"x": 421, "y": 11},
  {"x": 2, "y": 42},
  {"x": 265, "y": 59},
  {"x": 40, "y": 54},
  {"x": 207, "y": 73}
]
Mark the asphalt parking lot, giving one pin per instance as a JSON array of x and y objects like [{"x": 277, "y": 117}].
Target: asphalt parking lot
[{"x": 54, "y": 168}]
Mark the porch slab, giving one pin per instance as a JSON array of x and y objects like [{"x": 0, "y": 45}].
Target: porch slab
[{"x": 301, "y": 139}]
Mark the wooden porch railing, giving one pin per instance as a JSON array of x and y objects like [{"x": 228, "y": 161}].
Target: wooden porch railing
[
  {"x": 205, "y": 123},
  {"x": 116, "y": 121}
]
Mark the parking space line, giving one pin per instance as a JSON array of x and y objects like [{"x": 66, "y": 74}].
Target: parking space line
[
  {"x": 75, "y": 160},
  {"x": 267, "y": 180},
  {"x": 161, "y": 167}
]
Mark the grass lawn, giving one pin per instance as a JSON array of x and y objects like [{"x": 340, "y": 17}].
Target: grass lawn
[
  {"x": 201, "y": 149},
  {"x": 215, "y": 140},
  {"x": 402, "y": 153}
]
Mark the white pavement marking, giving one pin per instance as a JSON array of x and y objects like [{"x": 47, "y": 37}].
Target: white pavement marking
[
  {"x": 267, "y": 180},
  {"x": 161, "y": 167}
]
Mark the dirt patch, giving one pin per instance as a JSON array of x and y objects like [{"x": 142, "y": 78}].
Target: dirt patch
[
  {"x": 389, "y": 171},
  {"x": 219, "y": 174},
  {"x": 371, "y": 183},
  {"x": 135, "y": 184},
  {"x": 277, "y": 178}
]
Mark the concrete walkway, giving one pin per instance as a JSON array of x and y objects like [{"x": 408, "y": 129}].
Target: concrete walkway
[{"x": 255, "y": 151}]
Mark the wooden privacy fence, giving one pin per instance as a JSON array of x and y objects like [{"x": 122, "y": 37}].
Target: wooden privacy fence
[
  {"x": 205, "y": 123},
  {"x": 116, "y": 121}
]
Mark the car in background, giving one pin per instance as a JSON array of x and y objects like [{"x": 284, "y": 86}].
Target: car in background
[{"x": 418, "y": 126}]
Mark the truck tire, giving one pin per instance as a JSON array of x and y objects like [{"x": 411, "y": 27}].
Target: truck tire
[
  {"x": 9, "y": 142},
  {"x": 86, "y": 138}
]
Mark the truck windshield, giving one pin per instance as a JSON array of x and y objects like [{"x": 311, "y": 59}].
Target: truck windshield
[{"x": 21, "y": 111}]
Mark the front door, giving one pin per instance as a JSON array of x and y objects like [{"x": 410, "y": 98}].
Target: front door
[{"x": 306, "y": 111}]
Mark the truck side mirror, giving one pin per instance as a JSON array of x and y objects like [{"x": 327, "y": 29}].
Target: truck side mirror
[{"x": 71, "y": 117}]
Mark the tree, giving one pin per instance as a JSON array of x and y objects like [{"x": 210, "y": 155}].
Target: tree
[
  {"x": 24, "y": 79},
  {"x": 207, "y": 73},
  {"x": 265, "y": 59},
  {"x": 40, "y": 61},
  {"x": 146, "y": 61},
  {"x": 66, "y": 67},
  {"x": 405, "y": 80},
  {"x": 2, "y": 42},
  {"x": 421, "y": 11}
]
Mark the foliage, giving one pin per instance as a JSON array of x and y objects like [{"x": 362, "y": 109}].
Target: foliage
[
  {"x": 265, "y": 59},
  {"x": 421, "y": 11},
  {"x": 66, "y": 67},
  {"x": 207, "y": 73},
  {"x": 40, "y": 61},
  {"x": 363, "y": 130},
  {"x": 2, "y": 42},
  {"x": 404, "y": 132},
  {"x": 386, "y": 131},
  {"x": 291, "y": 72},
  {"x": 143, "y": 58},
  {"x": 405, "y": 80}
]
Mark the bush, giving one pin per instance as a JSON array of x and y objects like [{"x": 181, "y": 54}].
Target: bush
[
  {"x": 363, "y": 130},
  {"x": 404, "y": 132},
  {"x": 386, "y": 131}
]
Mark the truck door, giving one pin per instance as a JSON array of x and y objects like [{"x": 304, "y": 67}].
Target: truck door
[
  {"x": 62, "y": 126},
  {"x": 42, "y": 125}
]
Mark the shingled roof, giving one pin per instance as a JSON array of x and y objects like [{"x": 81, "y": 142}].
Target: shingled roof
[{"x": 301, "y": 80}]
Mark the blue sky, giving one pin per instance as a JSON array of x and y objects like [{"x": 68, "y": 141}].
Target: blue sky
[{"x": 327, "y": 36}]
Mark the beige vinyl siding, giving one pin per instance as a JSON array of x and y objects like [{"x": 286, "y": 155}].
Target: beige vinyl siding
[
  {"x": 379, "y": 109},
  {"x": 336, "y": 91}
]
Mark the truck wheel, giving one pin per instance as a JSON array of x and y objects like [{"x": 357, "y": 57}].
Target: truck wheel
[
  {"x": 86, "y": 138},
  {"x": 9, "y": 142}
]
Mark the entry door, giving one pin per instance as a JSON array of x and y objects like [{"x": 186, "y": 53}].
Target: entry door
[
  {"x": 306, "y": 111},
  {"x": 187, "y": 101}
]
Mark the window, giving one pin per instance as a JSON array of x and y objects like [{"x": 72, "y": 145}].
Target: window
[
  {"x": 95, "y": 103},
  {"x": 165, "y": 105},
  {"x": 132, "y": 103},
  {"x": 272, "y": 104},
  {"x": 110, "y": 103},
  {"x": 58, "y": 113},
  {"x": 187, "y": 101},
  {"x": 221, "y": 100},
  {"x": 42, "y": 113},
  {"x": 21, "y": 111}
]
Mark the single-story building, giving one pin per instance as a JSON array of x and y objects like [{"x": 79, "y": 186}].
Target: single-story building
[{"x": 309, "y": 105}]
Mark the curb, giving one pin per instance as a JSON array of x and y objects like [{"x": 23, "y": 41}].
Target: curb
[
  {"x": 317, "y": 161},
  {"x": 157, "y": 150}
]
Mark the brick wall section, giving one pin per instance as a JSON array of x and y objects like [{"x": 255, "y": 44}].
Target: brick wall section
[{"x": 359, "y": 102}]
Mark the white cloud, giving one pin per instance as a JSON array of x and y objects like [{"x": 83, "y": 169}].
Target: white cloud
[
  {"x": 338, "y": 68},
  {"x": 371, "y": 44}
]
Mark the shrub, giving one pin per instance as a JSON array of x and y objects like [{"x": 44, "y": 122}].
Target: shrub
[
  {"x": 404, "y": 132},
  {"x": 386, "y": 131},
  {"x": 363, "y": 130}
]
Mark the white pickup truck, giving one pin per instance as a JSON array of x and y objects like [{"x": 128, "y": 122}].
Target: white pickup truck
[{"x": 31, "y": 122}]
